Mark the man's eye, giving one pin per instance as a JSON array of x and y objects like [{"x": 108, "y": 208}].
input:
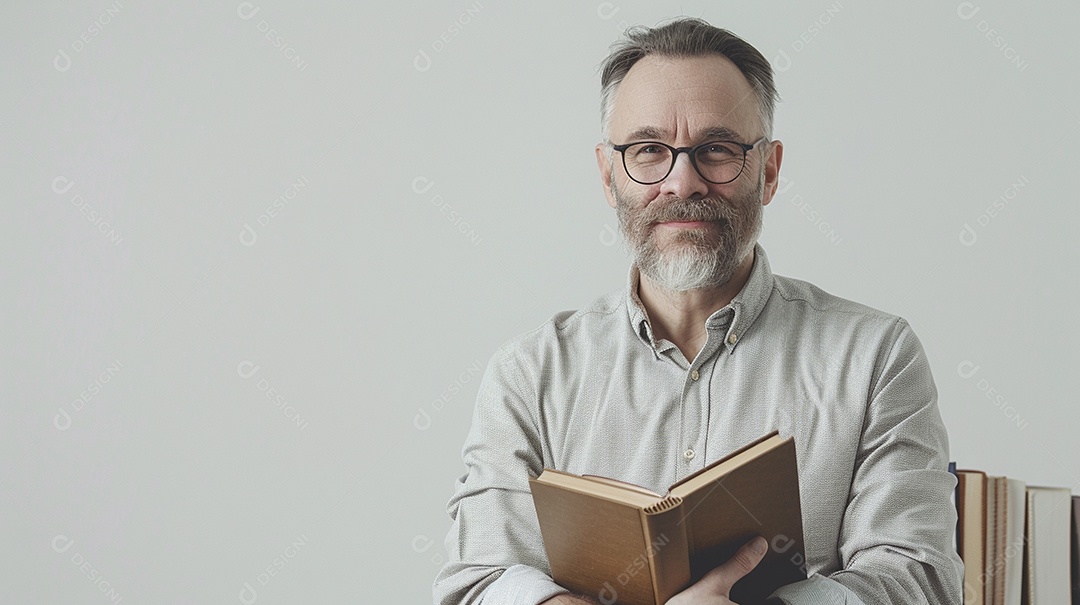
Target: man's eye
[
  {"x": 651, "y": 149},
  {"x": 719, "y": 150}
]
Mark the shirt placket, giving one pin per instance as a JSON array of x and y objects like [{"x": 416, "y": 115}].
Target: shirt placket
[{"x": 696, "y": 404}]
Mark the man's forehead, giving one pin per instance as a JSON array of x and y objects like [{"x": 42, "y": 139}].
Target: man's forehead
[{"x": 697, "y": 97}]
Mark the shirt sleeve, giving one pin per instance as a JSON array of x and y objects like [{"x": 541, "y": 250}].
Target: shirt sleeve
[
  {"x": 816, "y": 590},
  {"x": 495, "y": 553},
  {"x": 896, "y": 535}
]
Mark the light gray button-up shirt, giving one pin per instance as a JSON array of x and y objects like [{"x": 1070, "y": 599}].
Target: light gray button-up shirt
[{"x": 593, "y": 392}]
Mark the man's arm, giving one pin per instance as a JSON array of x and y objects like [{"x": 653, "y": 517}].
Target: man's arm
[
  {"x": 495, "y": 550},
  {"x": 569, "y": 599},
  {"x": 713, "y": 589},
  {"x": 896, "y": 537}
]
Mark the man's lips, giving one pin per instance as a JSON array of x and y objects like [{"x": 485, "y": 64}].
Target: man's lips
[{"x": 686, "y": 224}]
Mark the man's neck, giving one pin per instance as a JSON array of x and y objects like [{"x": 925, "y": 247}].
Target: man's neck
[{"x": 680, "y": 316}]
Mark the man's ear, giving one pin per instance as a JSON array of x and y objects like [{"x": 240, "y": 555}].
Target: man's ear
[
  {"x": 604, "y": 164},
  {"x": 772, "y": 171}
]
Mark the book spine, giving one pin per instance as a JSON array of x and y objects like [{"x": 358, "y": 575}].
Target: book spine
[
  {"x": 1076, "y": 550},
  {"x": 1029, "y": 550},
  {"x": 972, "y": 519},
  {"x": 666, "y": 547}
]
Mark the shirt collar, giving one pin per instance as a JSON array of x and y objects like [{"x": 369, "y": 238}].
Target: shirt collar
[{"x": 746, "y": 306}]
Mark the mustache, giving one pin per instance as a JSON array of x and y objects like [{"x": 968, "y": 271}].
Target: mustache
[{"x": 688, "y": 210}]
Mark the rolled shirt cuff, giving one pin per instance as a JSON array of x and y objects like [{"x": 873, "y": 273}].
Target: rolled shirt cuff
[
  {"x": 525, "y": 585},
  {"x": 521, "y": 585},
  {"x": 817, "y": 590}
]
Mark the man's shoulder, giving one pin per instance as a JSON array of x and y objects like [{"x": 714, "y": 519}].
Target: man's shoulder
[
  {"x": 599, "y": 317},
  {"x": 808, "y": 299}
]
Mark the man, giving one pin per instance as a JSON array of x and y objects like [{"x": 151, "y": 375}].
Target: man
[{"x": 704, "y": 351}]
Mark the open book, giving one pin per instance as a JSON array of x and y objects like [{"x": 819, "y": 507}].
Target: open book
[{"x": 619, "y": 542}]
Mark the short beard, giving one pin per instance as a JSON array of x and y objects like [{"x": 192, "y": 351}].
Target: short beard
[{"x": 695, "y": 259}]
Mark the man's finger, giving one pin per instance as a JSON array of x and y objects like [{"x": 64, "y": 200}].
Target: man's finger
[{"x": 744, "y": 561}]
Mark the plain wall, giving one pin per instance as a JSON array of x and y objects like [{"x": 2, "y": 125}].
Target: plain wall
[{"x": 257, "y": 255}]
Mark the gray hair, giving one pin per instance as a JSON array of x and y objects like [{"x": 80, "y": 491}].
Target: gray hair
[{"x": 686, "y": 37}]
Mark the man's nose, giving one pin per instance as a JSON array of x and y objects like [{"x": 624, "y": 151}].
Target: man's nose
[{"x": 684, "y": 181}]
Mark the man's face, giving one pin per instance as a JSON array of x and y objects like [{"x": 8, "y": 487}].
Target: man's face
[
  {"x": 687, "y": 244},
  {"x": 685, "y": 232}
]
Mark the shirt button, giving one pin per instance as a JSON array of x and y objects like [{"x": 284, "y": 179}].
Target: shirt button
[
  {"x": 694, "y": 375},
  {"x": 688, "y": 454},
  {"x": 732, "y": 338}
]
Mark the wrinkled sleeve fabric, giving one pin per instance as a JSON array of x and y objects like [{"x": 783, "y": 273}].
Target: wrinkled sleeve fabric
[
  {"x": 494, "y": 547},
  {"x": 816, "y": 590},
  {"x": 896, "y": 535}
]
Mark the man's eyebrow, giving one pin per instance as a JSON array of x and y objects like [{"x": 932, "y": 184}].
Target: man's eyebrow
[
  {"x": 647, "y": 133},
  {"x": 721, "y": 132},
  {"x": 651, "y": 133}
]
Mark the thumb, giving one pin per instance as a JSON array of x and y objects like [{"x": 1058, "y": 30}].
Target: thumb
[{"x": 743, "y": 562}]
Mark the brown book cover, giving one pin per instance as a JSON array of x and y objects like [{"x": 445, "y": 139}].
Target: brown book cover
[
  {"x": 997, "y": 526},
  {"x": 1076, "y": 550},
  {"x": 622, "y": 543},
  {"x": 990, "y": 535},
  {"x": 971, "y": 510}
]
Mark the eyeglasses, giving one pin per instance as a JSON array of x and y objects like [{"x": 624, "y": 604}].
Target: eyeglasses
[{"x": 718, "y": 162}]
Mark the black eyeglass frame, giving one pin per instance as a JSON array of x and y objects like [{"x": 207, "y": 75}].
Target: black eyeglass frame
[{"x": 692, "y": 153}]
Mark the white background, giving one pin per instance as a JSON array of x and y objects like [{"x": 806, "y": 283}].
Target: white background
[{"x": 417, "y": 185}]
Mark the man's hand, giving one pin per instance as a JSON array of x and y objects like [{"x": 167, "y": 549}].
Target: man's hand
[
  {"x": 569, "y": 599},
  {"x": 714, "y": 588}
]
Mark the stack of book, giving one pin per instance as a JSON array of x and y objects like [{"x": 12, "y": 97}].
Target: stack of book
[{"x": 1019, "y": 542}]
